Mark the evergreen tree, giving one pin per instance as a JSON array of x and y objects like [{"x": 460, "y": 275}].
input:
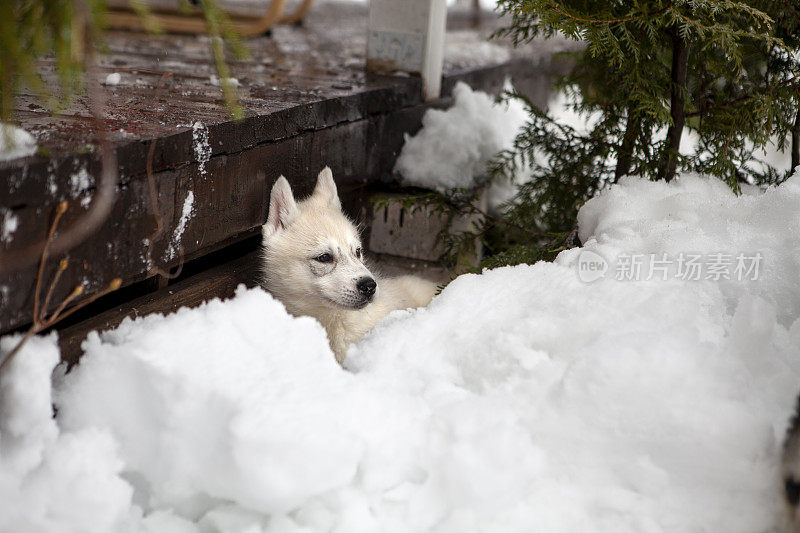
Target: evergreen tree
[{"x": 726, "y": 70}]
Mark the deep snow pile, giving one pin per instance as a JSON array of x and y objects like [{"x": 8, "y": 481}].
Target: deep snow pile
[
  {"x": 52, "y": 480},
  {"x": 520, "y": 399},
  {"x": 701, "y": 216},
  {"x": 454, "y": 146}
]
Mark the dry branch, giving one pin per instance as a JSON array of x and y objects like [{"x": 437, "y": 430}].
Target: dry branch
[{"x": 40, "y": 319}]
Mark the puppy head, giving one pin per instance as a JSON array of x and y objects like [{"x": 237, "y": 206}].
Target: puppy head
[{"x": 313, "y": 255}]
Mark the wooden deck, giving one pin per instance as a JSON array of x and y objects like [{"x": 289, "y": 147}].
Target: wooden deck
[{"x": 308, "y": 103}]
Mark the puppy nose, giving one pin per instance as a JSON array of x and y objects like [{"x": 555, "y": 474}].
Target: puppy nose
[{"x": 366, "y": 286}]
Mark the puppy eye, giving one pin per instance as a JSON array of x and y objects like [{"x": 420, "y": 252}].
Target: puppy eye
[
  {"x": 324, "y": 258},
  {"x": 358, "y": 253}
]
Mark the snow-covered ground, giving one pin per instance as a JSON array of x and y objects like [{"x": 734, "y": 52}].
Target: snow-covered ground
[{"x": 580, "y": 395}]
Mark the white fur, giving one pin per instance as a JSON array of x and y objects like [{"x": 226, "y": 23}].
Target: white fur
[{"x": 296, "y": 235}]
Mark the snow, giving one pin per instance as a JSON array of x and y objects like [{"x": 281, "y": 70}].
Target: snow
[
  {"x": 186, "y": 214},
  {"x": 465, "y": 49},
  {"x": 79, "y": 182},
  {"x": 51, "y": 479},
  {"x": 52, "y": 188},
  {"x": 113, "y": 79},
  {"x": 15, "y": 142},
  {"x": 703, "y": 216},
  {"x": 561, "y": 108},
  {"x": 775, "y": 155},
  {"x": 519, "y": 396},
  {"x": 454, "y": 146},
  {"x": 215, "y": 80},
  {"x": 202, "y": 147},
  {"x": 10, "y": 224}
]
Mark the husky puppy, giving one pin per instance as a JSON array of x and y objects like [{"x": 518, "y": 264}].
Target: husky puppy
[
  {"x": 314, "y": 263},
  {"x": 790, "y": 470}
]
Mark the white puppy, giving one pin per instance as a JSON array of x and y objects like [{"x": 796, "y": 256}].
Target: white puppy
[{"x": 314, "y": 264}]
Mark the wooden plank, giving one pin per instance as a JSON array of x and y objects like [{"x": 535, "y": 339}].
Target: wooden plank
[
  {"x": 29, "y": 179},
  {"x": 218, "y": 282}
]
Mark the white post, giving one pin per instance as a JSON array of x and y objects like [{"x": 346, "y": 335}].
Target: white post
[{"x": 408, "y": 35}]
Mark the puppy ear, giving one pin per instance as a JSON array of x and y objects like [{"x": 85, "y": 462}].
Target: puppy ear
[
  {"x": 326, "y": 188},
  {"x": 282, "y": 207}
]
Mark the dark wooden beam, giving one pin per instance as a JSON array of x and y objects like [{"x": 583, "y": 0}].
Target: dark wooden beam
[{"x": 217, "y": 282}]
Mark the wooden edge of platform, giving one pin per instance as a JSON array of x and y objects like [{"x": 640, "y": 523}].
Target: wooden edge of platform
[{"x": 217, "y": 282}]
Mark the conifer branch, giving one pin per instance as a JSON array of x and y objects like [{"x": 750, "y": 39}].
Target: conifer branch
[
  {"x": 734, "y": 65},
  {"x": 611, "y": 21}
]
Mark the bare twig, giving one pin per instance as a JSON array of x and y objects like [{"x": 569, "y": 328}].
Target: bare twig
[
  {"x": 60, "y": 210},
  {"x": 40, "y": 324},
  {"x": 62, "y": 266},
  {"x": 77, "y": 291},
  {"x": 40, "y": 319},
  {"x": 58, "y": 244},
  {"x": 36, "y": 316},
  {"x": 115, "y": 284}
]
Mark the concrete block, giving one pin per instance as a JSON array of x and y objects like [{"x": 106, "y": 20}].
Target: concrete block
[{"x": 413, "y": 232}]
